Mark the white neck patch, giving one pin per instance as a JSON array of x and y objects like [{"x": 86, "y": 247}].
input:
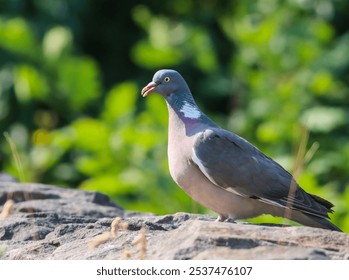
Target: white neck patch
[{"x": 190, "y": 111}]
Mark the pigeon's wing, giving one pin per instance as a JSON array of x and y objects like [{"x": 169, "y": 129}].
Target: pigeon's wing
[{"x": 232, "y": 163}]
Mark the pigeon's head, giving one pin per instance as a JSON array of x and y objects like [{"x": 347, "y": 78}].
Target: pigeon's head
[{"x": 165, "y": 82}]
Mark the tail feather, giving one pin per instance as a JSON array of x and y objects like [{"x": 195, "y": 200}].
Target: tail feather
[
  {"x": 323, "y": 202},
  {"x": 314, "y": 221}
]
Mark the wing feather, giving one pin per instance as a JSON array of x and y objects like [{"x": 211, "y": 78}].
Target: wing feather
[{"x": 232, "y": 163}]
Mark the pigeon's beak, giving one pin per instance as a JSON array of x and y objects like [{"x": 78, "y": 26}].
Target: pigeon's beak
[{"x": 148, "y": 89}]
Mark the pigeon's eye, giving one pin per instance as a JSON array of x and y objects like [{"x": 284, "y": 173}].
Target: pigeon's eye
[{"x": 167, "y": 79}]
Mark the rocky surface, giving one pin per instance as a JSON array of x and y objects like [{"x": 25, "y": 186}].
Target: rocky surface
[{"x": 47, "y": 222}]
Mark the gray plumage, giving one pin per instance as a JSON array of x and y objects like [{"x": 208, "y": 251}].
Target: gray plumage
[{"x": 223, "y": 171}]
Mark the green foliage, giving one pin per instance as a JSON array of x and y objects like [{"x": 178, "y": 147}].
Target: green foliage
[{"x": 268, "y": 69}]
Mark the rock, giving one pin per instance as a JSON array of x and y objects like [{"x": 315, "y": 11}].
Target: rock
[
  {"x": 38, "y": 198},
  {"x": 49, "y": 222},
  {"x": 7, "y": 178}
]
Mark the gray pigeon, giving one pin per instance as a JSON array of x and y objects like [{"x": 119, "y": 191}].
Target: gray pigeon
[{"x": 224, "y": 172}]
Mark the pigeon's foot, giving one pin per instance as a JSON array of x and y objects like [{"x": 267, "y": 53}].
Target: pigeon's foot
[
  {"x": 230, "y": 220},
  {"x": 221, "y": 218}
]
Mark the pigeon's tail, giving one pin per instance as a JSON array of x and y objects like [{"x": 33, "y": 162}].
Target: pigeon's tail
[
  {"x": 325, "y": 203},
  {"x": 314, "y": 221},
  {"x": 323, "y": 223}
]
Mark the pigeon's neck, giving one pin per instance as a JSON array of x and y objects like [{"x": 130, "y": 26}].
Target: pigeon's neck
[{"x": 183, "y": 112}]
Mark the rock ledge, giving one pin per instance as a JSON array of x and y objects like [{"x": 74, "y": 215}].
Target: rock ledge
[{"x": 49, "y": 222}]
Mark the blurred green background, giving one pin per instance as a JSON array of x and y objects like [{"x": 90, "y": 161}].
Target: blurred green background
[{"x": 275, "y": 72}]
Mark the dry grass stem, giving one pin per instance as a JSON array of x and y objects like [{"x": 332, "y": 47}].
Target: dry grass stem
[
  {"x": 302, "y": 156},
  {"x": 311, "y": 152},
  {"x": 7, "y": 209},
  {"x": 298, "y": 167},
  {"x": 127, "y": 254},
  {"x": 116, "y": 225},
  {"x": 99, "y": 239},
  {"x": 141, "y": 240},
  {"x": 105, "y": 236},
  {"x": 16, "y": 157}
]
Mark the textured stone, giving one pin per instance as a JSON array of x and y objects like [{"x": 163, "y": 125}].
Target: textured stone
[
  {"x": 59, "y": 223},
  {"x": 7, "y": 178}
]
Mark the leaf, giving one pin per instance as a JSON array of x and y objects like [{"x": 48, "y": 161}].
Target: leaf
[
  {"x": 91, "y": 135},
  {"x": 29, "y": 83},
  {"x": 56, "y": 41},
  {"x": 152, "y": 57},
  {"x": 108, "y": 184},
  {"x": 17, "y": 36},
  {"x": 157, "y": 110},
  {"x": 271, "y": 131},
  {"x": 323, "y": 119},
  {"x": 322, "y": 82},
  {"x": 79, "y": 81},
  {"x": 120, "y": 101}
]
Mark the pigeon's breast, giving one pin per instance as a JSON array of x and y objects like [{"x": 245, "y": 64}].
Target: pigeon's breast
[{"x": 178, "y": 159}]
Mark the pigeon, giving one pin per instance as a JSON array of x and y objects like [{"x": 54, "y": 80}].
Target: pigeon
[{"x": 224, "y": 172}]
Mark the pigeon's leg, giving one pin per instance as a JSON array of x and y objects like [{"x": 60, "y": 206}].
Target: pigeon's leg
[
  {"x": 230, "y": 219},
  {"x": 221, "y": 218}
]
